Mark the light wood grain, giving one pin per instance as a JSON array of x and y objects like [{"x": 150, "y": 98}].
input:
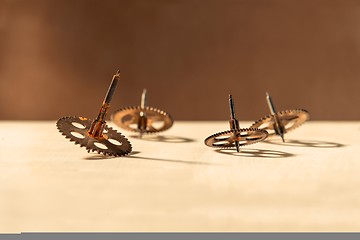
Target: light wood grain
[{"x": 49, "y": 184}]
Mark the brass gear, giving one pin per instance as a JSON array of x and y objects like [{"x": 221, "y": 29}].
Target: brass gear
[
  {"x": 289, "y": 119},
  {"x": 244, "y": 136},
  {"x": 111, "y": 143},
  {"x": 129, "y": 118}
]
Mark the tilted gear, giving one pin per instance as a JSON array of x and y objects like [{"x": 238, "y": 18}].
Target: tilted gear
[
  {"x": 95, "y": 135},
  {"x": 110, "y": 143},
  {"x": 142, "y": 119},
  {"x": 129, "y": 118},
  {"x": 288, "y": 120}
]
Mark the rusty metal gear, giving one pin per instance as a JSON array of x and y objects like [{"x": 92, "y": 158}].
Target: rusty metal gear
[
  {"x": 228, "y": 139},
  {"x": 142, "y": 119},
  {"x": 77, "y": 129},
  {"x": 236, "y": 136},
  {"x": 279, "y": 123},
  {"x": 288, "y": 120},
  {"x": 129, "y": 118},
  {"x": 95, "y": 135}
]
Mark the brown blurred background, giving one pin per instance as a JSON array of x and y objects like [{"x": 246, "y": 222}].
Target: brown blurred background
[{"x": 57, "y": 57}]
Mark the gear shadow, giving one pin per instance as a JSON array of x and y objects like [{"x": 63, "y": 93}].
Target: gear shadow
[
  {"x": 166, "y": 160},
  {"x": 131, "y": 155},
  {"x": 260, "y": 153},
  {"x": 306, "y": 143},
  {"x": 161, "y": 138},
  {"x": 98, "y": 157}
]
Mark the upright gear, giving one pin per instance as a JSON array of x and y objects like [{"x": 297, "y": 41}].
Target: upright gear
[
  {"x": 142, "y": 119},
  {"x": 236, "y": 136},
  {"x": 280, "y": 123},
  {"x": 95, "y": 135}
]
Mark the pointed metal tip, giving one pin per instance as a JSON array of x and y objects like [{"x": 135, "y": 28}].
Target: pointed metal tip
[
  {"x": 282, "y": 137},
  {"x": 231, "y": 99},
  {"x": 232, "y": 108},
  {"x": 267, "y": 94},
  {"x": 143, "y": 98},
  {"x": 237, "y": 147}
]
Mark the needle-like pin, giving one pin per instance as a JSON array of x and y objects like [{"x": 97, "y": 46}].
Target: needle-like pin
[
  {"x": 234, "y": 124},
  {"x": 279, "y": 128},
  {"x": 143, "y": 98},
  {"x": 98, "y": 124},
  {"x": 142, "y": 120},
  {"x": 112, "y": 88}
]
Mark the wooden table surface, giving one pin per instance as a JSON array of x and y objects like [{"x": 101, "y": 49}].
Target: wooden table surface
[{"x": 175, "y": 183}]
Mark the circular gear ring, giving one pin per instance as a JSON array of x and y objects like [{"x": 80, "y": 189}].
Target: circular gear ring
[
  {"x": 128, "y": 118},
  {"x": 290, "y": 119},
  {"x": 76, "y": 129},
  {"x": 244, "y": 136}
]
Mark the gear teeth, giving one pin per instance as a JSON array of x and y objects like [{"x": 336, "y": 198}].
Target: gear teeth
[
  {"x": 168, "y": 120},
  {"x": 209, "y": 141},
  {"x": 296, "y": 112},
  {"x": 66, "y": 129}
]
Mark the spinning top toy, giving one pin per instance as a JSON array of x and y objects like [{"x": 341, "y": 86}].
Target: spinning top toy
[
  {"x": 142, "y": 119},
  {"x": 236, "y": 136},
  {"x": 279, "y": 123},
  {"x": 95, "y": 135}
]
